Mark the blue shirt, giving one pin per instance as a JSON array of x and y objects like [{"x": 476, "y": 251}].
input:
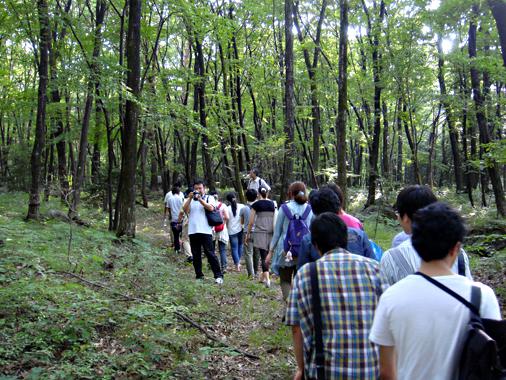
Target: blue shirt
[{"x": 358, "y": 243}]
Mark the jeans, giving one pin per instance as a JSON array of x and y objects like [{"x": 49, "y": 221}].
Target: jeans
[
  {"x": 197, "y": 243},
  {"x": 175, "y": 233},
  {"x": 222, "y": 246},
  {"x": 236, "y": 244}
]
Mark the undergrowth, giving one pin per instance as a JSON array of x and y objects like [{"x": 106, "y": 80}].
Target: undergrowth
[{"x": 103, "y": 308}]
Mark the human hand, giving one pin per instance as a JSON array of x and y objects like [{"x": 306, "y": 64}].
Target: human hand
[{"x": 268, "y": 258}]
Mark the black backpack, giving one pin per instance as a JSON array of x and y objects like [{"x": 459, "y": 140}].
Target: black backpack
[{"x": 484, "y": 346}]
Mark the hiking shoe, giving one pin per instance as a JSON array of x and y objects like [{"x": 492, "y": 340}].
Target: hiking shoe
[
  {"x": 189, "y": 260},
  {"x": 267, "y": 283},
  {"x": 219, "y": 281}
]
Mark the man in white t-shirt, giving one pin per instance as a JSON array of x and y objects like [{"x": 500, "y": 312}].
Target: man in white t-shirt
[
  {"x": 199, "y": 230},
  {"x": 420, "y": 328},
  {"x": 173, "y": 202},
  {"x": 255, "y": 182}
]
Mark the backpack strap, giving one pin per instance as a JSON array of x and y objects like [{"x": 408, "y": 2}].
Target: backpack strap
[
  {"x": 317, "y": 321},
  {"x": 461, "y": 264},
  {"x": 472, "y": 306},
  {"x": 476, "y": 298},
  {"x": 287, "y": 211},
  {"x": 306, "y": 212}
]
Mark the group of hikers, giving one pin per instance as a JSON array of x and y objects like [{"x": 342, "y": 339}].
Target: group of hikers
[{"x": 355, "y": 312}]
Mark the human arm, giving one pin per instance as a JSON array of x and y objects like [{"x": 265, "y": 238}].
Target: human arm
[
  {"x": 250, "y": 224},
  {"x": 186, "y": 205},
  {"x": 208, "y": 205},
  {"x": 225, "y": 214},
  {"x": 387, "y": 363},
  {"x": 278, "y": 230},
  {"x": 298, "y": 351}
]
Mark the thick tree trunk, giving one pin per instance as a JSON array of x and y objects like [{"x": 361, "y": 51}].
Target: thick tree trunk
[
  {"x": 491, "y": 163},
  {"x": 40, "y": 126},
  {"x": 126, "y": 196},
  {"x": 342, "y": 101}
]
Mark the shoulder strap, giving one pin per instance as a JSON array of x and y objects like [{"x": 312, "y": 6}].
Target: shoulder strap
[
  {"x": 470, "y": 305},
  {"x": 461, "y": 264},
  {"x": 287, "y": 211},
  {"x": 476, "y": 297},
  {"x": 315, "y": 292},
  {"x": 306, "y": 212}
]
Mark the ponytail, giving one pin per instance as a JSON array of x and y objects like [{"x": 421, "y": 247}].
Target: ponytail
[
  {"x": 263, "y": 192},
  {"x": 233, "y": 202}
]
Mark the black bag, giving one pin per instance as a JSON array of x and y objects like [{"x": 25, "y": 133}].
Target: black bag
[
  {"x": 214, "y": 217},
  {"x": 317, "y": 307},
  {"x": 480, "y": 358}
]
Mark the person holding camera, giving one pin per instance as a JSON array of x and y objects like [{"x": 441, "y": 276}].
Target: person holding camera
[{"x": 199, "y": 230}]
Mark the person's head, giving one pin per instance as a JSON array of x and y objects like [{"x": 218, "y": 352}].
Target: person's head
[
  {"x": 438, "y": 231},
  {"x": 251, "y": 195},
  {"x": 262, "y": 191},
  {"x": 187, "y": 192},
  {"x": 409, "y": 200},
  {"x": 176, "y": 188},
  {"x": 199, "y": 186},
  {"x": 297, "y": 192},
  {"x": 336, "y": 189},
  {"x": 324, "y": 200},
  {"x": 328, "y": 232},
  {"x": 231, "y": 198},
  {"x": 214, "y": 193},
  {"x": 253, "y": 173}
]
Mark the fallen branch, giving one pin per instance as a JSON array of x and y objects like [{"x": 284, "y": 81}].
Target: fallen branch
[{"x": 178, "y": 314}]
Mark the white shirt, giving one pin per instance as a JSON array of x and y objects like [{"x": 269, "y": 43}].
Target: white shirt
[
  {"x": 167, "y": 198},
  {"x": 234, "y": 222},
  {"x": 426, "y": 325},
  {"x": 197, "y": 220},
  {"x": 403, "y": 260},
  {"x": 174, "y": 203},
  {"x": 258, "y": 182}
]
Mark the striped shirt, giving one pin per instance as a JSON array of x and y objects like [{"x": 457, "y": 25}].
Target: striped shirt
[
  {"x": 350, "y": 286},
  {"x": 403, "y": 260}
]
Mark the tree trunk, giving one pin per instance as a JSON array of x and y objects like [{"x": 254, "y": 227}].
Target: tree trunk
[
  {"x": 126, "y": 196},
  {"x": 498, "y": 8},
  {"x": 343, "y": 99},
  {"x": 385, "y": 165},
  {"x": 40, "y": 125},
  {"x": 78, "y": 178},
  {"x": 491, "y": 163},
  {"x": 452, "y": 130},
  {"x": 289, "y": 102}
]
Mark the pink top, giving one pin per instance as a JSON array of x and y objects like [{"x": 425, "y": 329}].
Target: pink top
[{"x": 351, "y": 221}]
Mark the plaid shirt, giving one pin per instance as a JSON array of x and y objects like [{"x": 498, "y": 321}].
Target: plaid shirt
[{"x": 350, "y": 286}]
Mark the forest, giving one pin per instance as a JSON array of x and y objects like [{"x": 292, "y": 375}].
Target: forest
[{"x": 106, "y": 104}]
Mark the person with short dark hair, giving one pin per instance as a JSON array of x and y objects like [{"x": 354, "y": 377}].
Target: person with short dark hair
[
  {"x": 326, "y": 200},
  {"x": 255, "y": 182},
  {"x": 349, "y": 287},
  {"x": 173, "y": 202},
  {"x": 402, "y": 260},
  {"x": 348, "y": 219},
  {"x": 199, "y": 230},
  {"x": 261, "y": 225},
  {"x": 249, "y": 251},
  {"x": 419, "y": 327}
]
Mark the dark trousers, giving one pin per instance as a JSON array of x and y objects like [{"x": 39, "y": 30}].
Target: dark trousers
[
  {"x": 197, "y": 243},
  {"x": 263, "y": 255},
  {"x": 176, "y": 231}
]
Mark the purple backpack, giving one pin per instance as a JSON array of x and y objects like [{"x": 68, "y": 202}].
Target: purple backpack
[{"x": 297, "y": 229}]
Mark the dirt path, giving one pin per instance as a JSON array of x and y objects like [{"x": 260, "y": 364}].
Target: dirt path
[{"x": 246, "y": 314}]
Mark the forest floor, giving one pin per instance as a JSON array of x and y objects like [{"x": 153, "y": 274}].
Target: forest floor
[{"x": 78, "y": 303}]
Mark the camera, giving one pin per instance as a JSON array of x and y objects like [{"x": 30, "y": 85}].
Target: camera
[{"x": 196, "y": 196}]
